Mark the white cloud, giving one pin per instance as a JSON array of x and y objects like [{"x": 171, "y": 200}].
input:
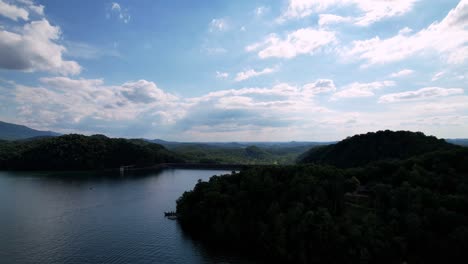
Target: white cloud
[
  {"x": 13, "y": 12},
  {"x": 146, "y": 92},
  {"x": 437, "y": 76},
  {"x": 241, "y": 76},
  {"x": 404, "y": 72},
  {"x": 371, "y": 10},
  {"x": 34, "y": 48},
  {"x": 357, "y": 89},
  {"x": 218, "y": 24},
  {"x": 405, "y": 30},
  {"x": 301, "y": 41},
  {"x": 65, "y": 101},
  {"x": 320, "y": 86},
  {"x": 259, "y": 11},
  {"x": 329, "y": 19},
  {"x": 90, "y": 104},
  {"x": 222, "y": 75},
  {"x": 377, "y": 10},
  {"x": 32, "y": 6},
  {"x": 280, "y": 112},
  {"x": 304, "y": 8},
  {"x": 448, "y": 38},
  {"x": 116, "y": 7},
  {"x": 423, "y": 93},
  {"x": 121, "y": 13}
]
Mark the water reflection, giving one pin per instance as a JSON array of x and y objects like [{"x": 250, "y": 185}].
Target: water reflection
[{"x": 91, "y": 217}]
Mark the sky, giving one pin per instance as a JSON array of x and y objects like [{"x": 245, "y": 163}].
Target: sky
[{"x": 315, "y": 70}]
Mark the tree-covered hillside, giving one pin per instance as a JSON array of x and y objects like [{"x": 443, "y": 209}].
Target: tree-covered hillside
[
  {"x": 414, "y": 211},
  {"x": 399, "y": 210},
  {"x": 78, "y": 152},
  {"x": 359, "y": 150},
  {"x": 250, "y": 155}
]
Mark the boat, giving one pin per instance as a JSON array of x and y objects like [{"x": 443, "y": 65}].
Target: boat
[{"x": 171, "y": 215}]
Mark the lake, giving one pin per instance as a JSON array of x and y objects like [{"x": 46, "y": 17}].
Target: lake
[{"x": 95, "y": 218}]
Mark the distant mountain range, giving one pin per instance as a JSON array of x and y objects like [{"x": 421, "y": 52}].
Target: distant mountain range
[
  {"x": 459, "y": 141},
  {"x": 10, "y": 131},
  {"x": 239, "y": 145}
]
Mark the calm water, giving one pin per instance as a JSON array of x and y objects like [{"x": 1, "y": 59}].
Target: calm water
[{"x": 76, "y": 218}]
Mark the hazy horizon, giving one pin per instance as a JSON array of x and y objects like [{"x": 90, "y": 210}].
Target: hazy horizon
[{"x": 235, "y": 71}]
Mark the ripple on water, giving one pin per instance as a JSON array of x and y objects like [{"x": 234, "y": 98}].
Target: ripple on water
[{"x": 68, "y": 219}]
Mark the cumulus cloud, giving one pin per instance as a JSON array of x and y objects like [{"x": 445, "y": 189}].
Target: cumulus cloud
[
  {"x": 61, "y": 101},
  {"x": 357, "y": 89},
  {"x": 301, "y": 41},
  {"x": 146, "y": 92},
  {"x": 421, "y": 94},
  {"x": 280, "y": 112},
  {"x": 32, "y": 6},
  {"x": 34, "y": 48},
  {"x": 431, "y": 39},
  {"x": 13, "y": 12},
  {"x": 404, "y": 72},
  {"x": 239, "y": 111},
  {"x": 241, "y": 76},
  {"x": 371, "y": 11},
  {"x": 21, "y": 10}
]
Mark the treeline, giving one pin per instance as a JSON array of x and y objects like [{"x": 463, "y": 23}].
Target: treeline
[
  {"x": 359, "y": 150},
  {"x": 249, "y": 155},
  {"x": 393, "y": 211},
  {"x": 78, "y": 152}
]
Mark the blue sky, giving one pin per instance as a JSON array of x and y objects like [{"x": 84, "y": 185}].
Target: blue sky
[{"x": 235, "y": 70}]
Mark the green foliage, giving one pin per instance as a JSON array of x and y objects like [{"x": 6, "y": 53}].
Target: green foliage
[
  {"x": 413, "y": 211},
  {"x": 78, "y": 152},
  {"x": 250, "y": 155},
  {"x": 359, "y": 150}
]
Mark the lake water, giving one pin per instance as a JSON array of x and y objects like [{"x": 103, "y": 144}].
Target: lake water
[{"x": 85, "y": 218}]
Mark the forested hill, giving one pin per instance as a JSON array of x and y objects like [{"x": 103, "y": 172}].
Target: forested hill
[
  {"x": 361, "y": 149},
  {"x": 10, "y": 131},
  {"x": 405, "y": 211},
  {"x": 78, "y": 152}
]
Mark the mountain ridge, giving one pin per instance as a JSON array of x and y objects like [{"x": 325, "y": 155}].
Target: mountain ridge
[
  {"x": 362, "y": 149},
  {"x": 10, "y": 131}
]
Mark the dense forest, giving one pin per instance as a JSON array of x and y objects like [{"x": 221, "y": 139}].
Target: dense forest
[
  {"x": 78, "y": 152},
  {"x": 71, "y": 152},
  {"x": 359, "y": 150},
  {"x": 250, "y": 155},
  {"x": 412, "y": 209}
]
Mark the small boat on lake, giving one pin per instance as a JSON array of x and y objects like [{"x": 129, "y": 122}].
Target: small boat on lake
[{"x": 171, "y": 215}]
